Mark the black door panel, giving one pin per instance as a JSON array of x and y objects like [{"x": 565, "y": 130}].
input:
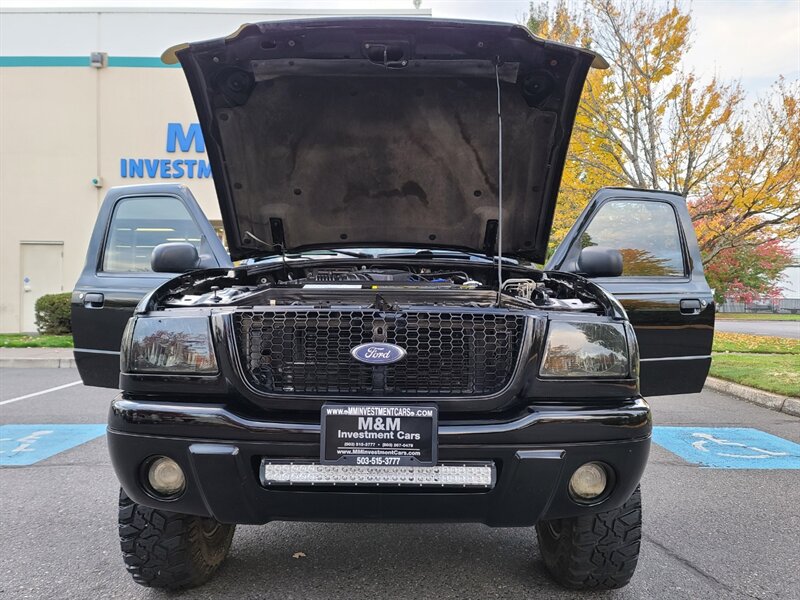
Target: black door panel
[
  {"x": 669, "y": 376},
  {"x": 102, "y": 301},
  {"x": 674, "y": 347},
  {"x": 98, "y": 329},
  {"x": 671, "y": 310}
]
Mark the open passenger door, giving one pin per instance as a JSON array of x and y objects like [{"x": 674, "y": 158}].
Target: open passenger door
[
  {"x": 662, "y": 286},
  {"x": 132, "y": 221}
]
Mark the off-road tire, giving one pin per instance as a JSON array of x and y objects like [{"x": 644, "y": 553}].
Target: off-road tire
[
  {"x": 594, "y": 552},
  {"x": 170, "y": 550}
]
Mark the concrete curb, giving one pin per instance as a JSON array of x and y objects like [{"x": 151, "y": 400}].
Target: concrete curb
[
  {"x": 36, "y": 363},
  {"x": 784, "y": 404}
]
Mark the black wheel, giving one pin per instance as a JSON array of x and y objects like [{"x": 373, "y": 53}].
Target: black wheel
[
  {"x": 170, "y": 550},
  {"x": 594, "y": 552}
]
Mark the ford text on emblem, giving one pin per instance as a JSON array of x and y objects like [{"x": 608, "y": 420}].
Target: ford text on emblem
[{"x": 376, "y": 353}]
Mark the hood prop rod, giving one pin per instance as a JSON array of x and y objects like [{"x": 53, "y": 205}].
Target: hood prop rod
[
  {"x": 280, "y": 247},
  {"x": 499, "y": 187}
]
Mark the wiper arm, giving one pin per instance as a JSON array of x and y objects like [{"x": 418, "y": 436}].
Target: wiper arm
[
  {"x": 354, "y": 254},
  {"x": 442, "y": 254},
  {"x": 312, "y": 254}
]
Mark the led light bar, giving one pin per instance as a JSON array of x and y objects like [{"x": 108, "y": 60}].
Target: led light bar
[{"x": 471, "y": 474}]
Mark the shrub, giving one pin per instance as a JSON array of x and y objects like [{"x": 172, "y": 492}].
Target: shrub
[{"x": 53, "y": 313}]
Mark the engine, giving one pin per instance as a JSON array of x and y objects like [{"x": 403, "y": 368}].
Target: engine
[
  {"x": 372, "y": 278},
  {"x": 387, "y": 288}
]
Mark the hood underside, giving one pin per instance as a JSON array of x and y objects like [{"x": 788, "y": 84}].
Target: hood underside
[{"x": 376, "y": 132}]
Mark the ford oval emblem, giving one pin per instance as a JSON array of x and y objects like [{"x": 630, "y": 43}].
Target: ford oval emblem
[{"x": 377, "y": 353}]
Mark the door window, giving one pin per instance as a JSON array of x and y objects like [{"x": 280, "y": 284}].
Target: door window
[
  {"x": 645, "y": 233},
  {"x": 141, "y": 224}
]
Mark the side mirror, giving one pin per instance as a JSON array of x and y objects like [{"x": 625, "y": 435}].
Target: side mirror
[
  {"x": 174, "y": 257},
  {"x": 596, "y": 261}
]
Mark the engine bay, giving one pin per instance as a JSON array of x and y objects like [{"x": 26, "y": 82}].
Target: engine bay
[{"x": 386, "y": 287}]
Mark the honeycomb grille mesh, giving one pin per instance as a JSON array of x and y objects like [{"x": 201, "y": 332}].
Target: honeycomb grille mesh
[{"x": 308, "y": 352}]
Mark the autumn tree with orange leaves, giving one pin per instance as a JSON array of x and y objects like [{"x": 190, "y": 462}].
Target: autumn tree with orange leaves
[{"x": 649, "y": 122}]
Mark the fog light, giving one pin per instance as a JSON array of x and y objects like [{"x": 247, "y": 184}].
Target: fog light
[
  {"x": 165, "y": 476},
  {"x": 588, "y": 481}
]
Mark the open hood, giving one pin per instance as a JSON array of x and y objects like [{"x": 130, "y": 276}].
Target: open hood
[{"x": 384, "y": 132}]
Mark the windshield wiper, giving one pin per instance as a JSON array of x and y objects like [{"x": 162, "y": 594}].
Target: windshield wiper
[
  {"x": 317, "y": 253},
  {"x": 445, "y": 253},
  {"x": 311, "y": 255}
]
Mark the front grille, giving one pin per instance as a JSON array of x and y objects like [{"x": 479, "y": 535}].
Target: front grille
[{"x": 306, "y": 352}]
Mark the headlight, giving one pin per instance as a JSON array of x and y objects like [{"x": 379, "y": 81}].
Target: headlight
[
  {"x": 180, "y": 345},
  {"x": 586, "y": 350}
]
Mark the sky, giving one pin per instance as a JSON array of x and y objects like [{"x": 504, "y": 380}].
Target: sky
[{"x": 753, "y": 41}]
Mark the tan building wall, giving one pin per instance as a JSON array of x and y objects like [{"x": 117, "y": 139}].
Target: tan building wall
[
  {"x": 60, "y": 128},
  {"x": 47, "y": 157}
]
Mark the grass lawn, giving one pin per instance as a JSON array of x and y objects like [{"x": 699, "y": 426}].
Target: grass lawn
[
  {"x": 757, "y": 317},
  {"x": 760, "y": 344},
  {"x": 21, "y": 340},
  {"x": 763, "y": 362},
  {"x": 778, "y": 373}
]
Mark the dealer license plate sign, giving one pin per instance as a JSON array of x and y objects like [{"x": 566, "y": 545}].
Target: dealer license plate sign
[{"x": 379, "y": 435}]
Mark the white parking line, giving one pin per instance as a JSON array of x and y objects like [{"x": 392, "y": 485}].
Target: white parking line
[{"x": 47, "y": 391}]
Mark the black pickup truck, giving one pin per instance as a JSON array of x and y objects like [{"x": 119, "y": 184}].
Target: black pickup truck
[{"x": 385, "y": 348}]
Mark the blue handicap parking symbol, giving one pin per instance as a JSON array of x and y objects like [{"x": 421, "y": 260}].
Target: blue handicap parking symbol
[
  {"x": 729, "y": 447},
  {"x": 22, "y": 445}
]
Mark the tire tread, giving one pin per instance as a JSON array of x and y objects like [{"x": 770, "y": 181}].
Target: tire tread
[
  {"x": 167, "y": 550},
  {"x": 595, "y": 552}
]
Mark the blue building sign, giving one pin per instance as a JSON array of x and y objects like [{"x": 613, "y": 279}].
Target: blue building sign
[{"x": 179, "y": 139}]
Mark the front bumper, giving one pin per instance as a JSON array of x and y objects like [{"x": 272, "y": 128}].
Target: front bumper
[{"x": 534, "y": 455}]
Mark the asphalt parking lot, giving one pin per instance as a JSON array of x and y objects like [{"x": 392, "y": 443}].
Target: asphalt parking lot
[
  {"x": 789, "y": 329},
  {"x": 708, "y": 532}
]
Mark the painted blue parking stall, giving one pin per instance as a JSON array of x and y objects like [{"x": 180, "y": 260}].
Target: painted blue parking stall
[
  {"x": 729, "y": 447},
  {"x": 22, "y": 445}
]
